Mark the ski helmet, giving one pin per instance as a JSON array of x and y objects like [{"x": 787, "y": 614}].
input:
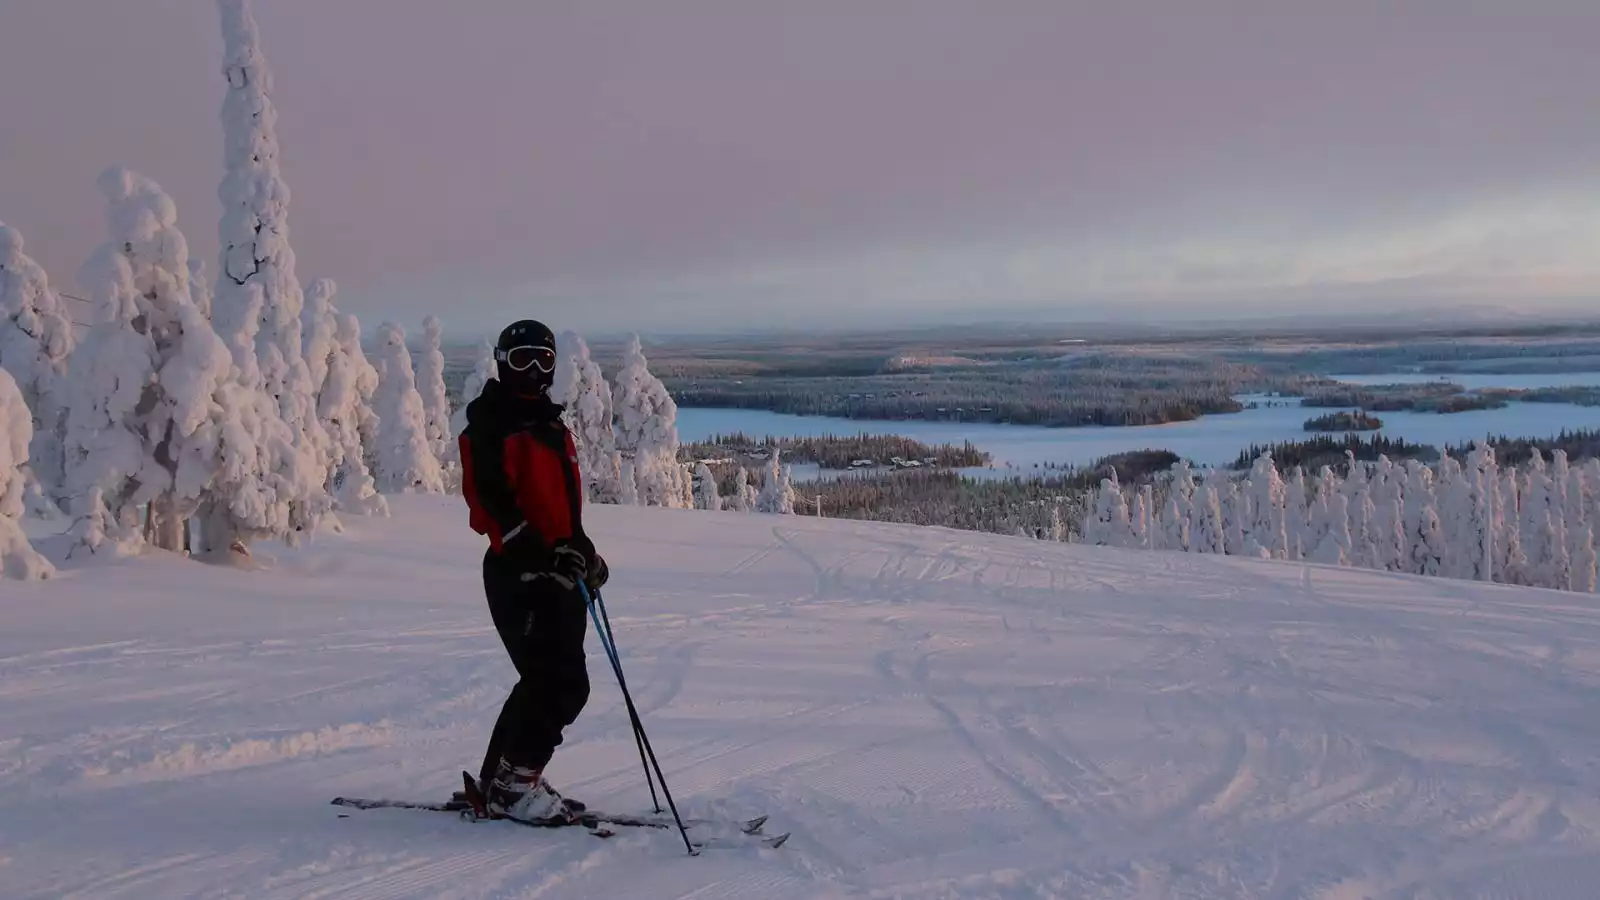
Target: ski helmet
[{"x": 525, "y": 356}]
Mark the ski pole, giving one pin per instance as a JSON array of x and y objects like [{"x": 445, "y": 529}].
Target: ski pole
[
  {"x": 596, "y": 607},
  {"x": 608, "y": 641}
]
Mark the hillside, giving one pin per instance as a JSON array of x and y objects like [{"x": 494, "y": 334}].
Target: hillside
[{"x": 932, "y": 713}]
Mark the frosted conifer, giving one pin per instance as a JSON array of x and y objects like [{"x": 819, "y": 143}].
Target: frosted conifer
[
  {"x": 405, "y": 460},
  {"x": 18, "y": 559}
]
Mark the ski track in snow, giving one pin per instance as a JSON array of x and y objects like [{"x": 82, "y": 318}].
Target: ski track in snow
[{"x": 932, "y": 714}]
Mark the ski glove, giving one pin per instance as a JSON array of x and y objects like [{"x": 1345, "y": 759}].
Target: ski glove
[
  {"x": 569, "y": 565},
  {"x": 599, "y": 574}
]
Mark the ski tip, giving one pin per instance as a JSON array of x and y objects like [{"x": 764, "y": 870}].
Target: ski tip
[
  {"x": 776, "y": 842},
  {"x": 337, "y": 801},
  {"x": 754, "y": 825}
]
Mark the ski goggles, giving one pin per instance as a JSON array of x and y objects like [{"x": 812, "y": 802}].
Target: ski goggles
[{"x": 528, "y": 356}]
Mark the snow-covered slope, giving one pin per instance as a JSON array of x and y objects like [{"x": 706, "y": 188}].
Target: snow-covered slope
[{"x": 932, "y": 713}]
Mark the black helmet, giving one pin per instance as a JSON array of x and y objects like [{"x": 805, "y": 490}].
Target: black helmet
[{"x": 525, "y": 356}]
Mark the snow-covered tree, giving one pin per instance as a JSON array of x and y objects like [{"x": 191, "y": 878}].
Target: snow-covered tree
[
  {"x": 1482, "y": 475},
  {"x": 35, "y": 341},
  {"x": 777, "y": 489},
  {"x": 1296, "y": 513},
  {"x": 741, "y": 500},
  {"x": 405, "y": 460},
  {"x": 1363, "y": 545},
  {"x": 582, "y": 389},
  {"x": 1511, "y": 562},
  {"x": 1267, "y": 536},
  {"x": 627, "y": 483},
  {"x": 1142, "y": 514},
  {"x": 430, "y": 384},
  {"x": 483, "y": 372},
  {"x": 1112, "y": 522},
  {"x": 257, "y": 264},
  {"x": 1207, "y": 529},
  {"x": 17, "y": 557},
  {"x": 1574, "y": 505},
  {"x": 152, "y": 421},
  {"x": 344, "y": 404},
  {"x": 1584, "y": 574},
  {"x": 1425, "y": 538},
  {"x": 1058, "y": 523},
  {"x": 319, "y": 324},
  {"x": 1234, "y": 516},
  {"x": 647, "y": 430},
  {"x": 705, "y": 488},
  {"x": 1175, "y": 524},
  {"x": 1333, "y": 547},
  {"x": 1553, "y": 567}
]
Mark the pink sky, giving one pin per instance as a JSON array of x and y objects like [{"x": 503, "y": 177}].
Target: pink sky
[{"x": 602, "y": 163}]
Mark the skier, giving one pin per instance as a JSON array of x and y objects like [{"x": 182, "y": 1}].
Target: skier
[{"x": 521, "y": 482}]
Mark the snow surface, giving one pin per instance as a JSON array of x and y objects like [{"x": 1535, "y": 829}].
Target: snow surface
[{"x": 932, "y": 713}]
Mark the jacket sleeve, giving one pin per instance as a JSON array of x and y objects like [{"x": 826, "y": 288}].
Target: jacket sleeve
[
  {"x": 489, "y": 495},
  {"x": 573, "y": 475}
]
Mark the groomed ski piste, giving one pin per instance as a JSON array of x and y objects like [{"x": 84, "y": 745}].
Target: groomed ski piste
[{"x": 931, "y": 713}]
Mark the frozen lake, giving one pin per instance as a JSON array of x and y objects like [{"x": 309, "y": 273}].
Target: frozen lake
[{"x": 1212, "y": 440}]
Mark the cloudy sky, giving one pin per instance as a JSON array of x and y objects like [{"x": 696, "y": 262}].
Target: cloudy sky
[{"x": 698, "y": 163}]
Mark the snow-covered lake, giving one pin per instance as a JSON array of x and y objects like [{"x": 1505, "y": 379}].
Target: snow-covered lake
[{"x": 1212, "y": 440}]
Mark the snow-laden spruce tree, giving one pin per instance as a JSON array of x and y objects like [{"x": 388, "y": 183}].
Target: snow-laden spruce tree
[
  {"x": 1234, "y": 515},
  {"x": 151, "y": 417},
  {"x": 705, "y": 488},
  {"x": 1175, "y": 523},
  {"x": 1534, "y": 502},
  {"x": 1483, "y": 481},
  {"x": 1584, "y": 573},
  {"x": 1553, "y": 567},
  {"x": 343, "y": 387},
  {"x": 1112, "y": 522},
  {"x": 430, "y": 384},
  {"x": 1511, "y": 562},
  {"x": 1296, "y": 512},
  {"x": 1142, "y": 514},
  {"x": 405, "y": 460},
  {"x": 319, "y": 324},
  {"x": 1178, "y": 519},
  {"x": 647, "y": 430},
  {"x": 257, "y": 263},
  {"x": 1206, "y": 531},
  {"x": 1574, "y": 503},
  {"x": 344, "y": 404},
  {"x": 742, "y": 499},
  {"x": 1591, "y": 491},
  {"x": 17, "y": 557},
  {"x": 111, "y": 380},
  {"x": 1333, "y": 544},
  {"x": 483, "y": 372},
  {"x": 35, "y": 341},
  {"x": 582, "y": 389},
  {"x": 1267, "y": 536},
  {"x": 1363, "y": 513},
  {"x": 1425, "y": 538},
  {"x": 777, "y": 488},
  {"x": 627, "y": 483},
  {"x": 1388, "y": 521}
]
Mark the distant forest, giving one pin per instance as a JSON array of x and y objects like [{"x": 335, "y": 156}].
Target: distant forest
[
  {"x": 835, "y": 452},
  {"x": 1092, "y": 389}
]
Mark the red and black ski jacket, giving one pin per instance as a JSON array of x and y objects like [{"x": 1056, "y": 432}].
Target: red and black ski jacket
[{"x": 520, "y": 477}]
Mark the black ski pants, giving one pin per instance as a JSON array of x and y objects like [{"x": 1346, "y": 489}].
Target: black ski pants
[{"x": 542, "y": 626}]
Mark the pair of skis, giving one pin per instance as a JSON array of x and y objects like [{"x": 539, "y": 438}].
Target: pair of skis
[
  {"x": 598, "y": 824},
  {"x": 471, "y": 806}
]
